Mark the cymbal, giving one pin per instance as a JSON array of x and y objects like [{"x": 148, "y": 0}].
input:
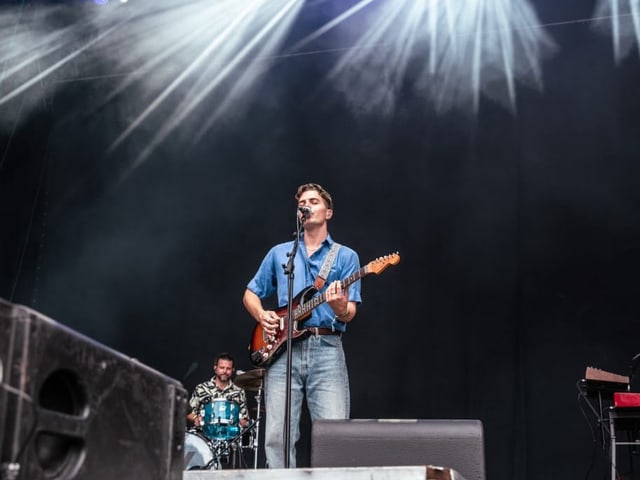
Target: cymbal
[{"x": 251, "y": 380}]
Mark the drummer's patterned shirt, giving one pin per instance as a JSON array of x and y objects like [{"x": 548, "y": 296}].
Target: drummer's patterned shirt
[{"x": 205, "y": 392}]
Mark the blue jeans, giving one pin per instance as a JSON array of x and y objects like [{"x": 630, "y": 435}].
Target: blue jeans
[{"x": 319, "y": 369}]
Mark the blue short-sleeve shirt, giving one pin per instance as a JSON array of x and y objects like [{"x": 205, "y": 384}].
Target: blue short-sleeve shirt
[{"x": 271, "y": 280}]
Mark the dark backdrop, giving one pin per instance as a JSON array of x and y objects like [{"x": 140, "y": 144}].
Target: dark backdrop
[{"x": 518, "y": 232}]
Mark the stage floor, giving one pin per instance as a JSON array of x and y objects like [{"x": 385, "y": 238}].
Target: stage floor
[{"x": 350, "y": 473}]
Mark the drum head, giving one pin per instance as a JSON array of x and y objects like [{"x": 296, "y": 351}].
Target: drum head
[{"x": 221, "y": 411}]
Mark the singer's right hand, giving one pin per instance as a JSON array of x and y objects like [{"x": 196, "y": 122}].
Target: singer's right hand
[{"x": 270, "y": 322}]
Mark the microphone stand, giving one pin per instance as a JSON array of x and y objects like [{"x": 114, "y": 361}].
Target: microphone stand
[
  {"x": 256, "y": 439},
  {"x": 288, "y": 270}
]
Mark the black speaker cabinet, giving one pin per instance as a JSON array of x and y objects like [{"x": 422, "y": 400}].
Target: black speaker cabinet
[
  {"x": 456, "y": 444},
  {"x": 71, "y": 408}
]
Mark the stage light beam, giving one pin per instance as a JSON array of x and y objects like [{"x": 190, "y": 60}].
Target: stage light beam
[
  {"x": 252, "y": 37},
  {"x": 463, "y": 51},
  {"x": 173, "y": 58},
  {"x": 621, "y": 20}
]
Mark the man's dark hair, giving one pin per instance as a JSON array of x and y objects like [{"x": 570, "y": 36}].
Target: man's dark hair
[
  {"x": 224, "y": 356},
  {"x": 326, "y": 196}
]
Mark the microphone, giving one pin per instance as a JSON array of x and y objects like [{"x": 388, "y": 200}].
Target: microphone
[{"x": 305, "y": 211}]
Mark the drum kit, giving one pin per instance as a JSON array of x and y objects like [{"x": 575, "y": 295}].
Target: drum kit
[{"x": 220, "y": 440}]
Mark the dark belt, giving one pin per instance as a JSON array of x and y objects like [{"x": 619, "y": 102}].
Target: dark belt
[{"x": 323, "y": 331}]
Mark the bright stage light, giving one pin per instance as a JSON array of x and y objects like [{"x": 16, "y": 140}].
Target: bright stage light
[
  {"x": 175, "y": 61},
  {"x": 234, "y": 39},
  {"x": 171, "y": 55},
  {"x": 451, "y": 51},
  {"x": 621, "y": 20}
]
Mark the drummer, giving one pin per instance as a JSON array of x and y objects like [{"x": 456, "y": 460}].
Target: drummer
[{"x": 219, "y": 386}]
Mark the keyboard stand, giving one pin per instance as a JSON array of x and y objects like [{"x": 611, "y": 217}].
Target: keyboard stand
[{"x": 622, "y": 419}]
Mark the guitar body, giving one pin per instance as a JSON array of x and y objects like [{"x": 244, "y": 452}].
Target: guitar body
[{"x": 263, "y": 349}]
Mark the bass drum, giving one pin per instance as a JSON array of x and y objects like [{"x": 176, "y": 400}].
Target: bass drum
[{"x": 198, "y": 452}]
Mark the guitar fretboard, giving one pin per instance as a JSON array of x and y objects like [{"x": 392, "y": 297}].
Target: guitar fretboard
[{"x": 306, "y": 307}]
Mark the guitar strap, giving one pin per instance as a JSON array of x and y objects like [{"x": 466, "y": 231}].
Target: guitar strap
[{"x": 326, "y": 266}]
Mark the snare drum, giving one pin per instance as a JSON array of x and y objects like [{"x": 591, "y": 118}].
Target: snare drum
[
  {"x": 220, "y": 419},
  {"x": 198, "y": 452}
]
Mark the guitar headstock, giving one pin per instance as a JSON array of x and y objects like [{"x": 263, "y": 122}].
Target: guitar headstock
[{"x": 382, "y": 263}]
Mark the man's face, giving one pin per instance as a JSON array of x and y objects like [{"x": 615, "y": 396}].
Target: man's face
[
  {"x": 223, "y": 370},
  {"x": 319, "y": 211}
]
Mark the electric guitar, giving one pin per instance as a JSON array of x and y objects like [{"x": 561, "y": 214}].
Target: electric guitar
[{"x": 264, "y": 348}]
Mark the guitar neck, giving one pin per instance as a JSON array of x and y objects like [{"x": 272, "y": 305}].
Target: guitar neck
[{"x": 318, "y": 300}]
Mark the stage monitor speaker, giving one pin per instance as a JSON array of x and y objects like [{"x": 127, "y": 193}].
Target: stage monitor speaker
[
  {"x": 73, "y": 409},
  {"x": 456, "y": 444}
]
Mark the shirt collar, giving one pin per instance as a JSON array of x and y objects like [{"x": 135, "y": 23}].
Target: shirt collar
[
  {"x": 327, "y": 241},
  {"x": 213, "y": 381}
]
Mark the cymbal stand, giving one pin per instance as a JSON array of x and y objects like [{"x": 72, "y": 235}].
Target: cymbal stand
[{"x": 256, "y": 438}]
